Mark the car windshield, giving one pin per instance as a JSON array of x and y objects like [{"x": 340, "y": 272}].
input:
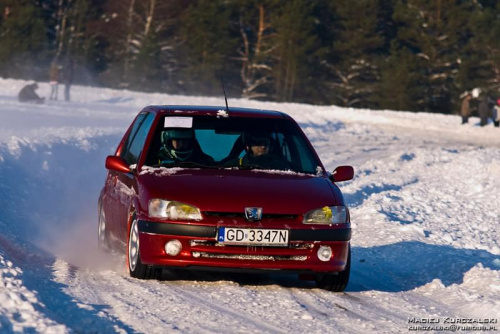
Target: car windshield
[{"x": 231, "y": 142}]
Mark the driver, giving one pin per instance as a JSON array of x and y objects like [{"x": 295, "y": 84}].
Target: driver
[
  {"x": 257, "y": 145},
  {"x": 180, "y": 145}
]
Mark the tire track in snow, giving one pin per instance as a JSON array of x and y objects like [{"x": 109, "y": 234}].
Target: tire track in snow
[
  {"x": 167, "y": 305},
  {"x": 260, "y": 325},
  {"x": 311, "y": 302},
  {"x": 113, "y": 295},
  {"x": 371, "y": 314}
]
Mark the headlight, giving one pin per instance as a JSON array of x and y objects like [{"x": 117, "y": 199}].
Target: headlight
[
  {"x": 174, "y": 210},
  {"x": 327, "y": 215}
]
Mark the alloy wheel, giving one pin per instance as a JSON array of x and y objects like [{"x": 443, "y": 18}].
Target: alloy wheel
[{"x": 133, "y": 246}]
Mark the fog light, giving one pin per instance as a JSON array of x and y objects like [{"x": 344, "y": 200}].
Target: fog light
[
  {"x": 324, "y": 253},
  {"x": 173, "y": 247}
]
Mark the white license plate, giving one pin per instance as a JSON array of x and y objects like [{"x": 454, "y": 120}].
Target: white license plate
[{"x": 252, "y": 236}]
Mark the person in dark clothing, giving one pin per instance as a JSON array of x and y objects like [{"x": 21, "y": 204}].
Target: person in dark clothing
[
  {"x": 496, "y": 114},
  {"x": 258, "y": 153},
  {"x": 484, "y": 110},
  {"x": 180, "y": 145},
  {"x": 28, "y": 94},
  {"x": 465, "y": 108}
]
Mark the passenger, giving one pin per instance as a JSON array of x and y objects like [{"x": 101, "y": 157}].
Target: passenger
[
  {"x": 180, "y": 145},
  {"x": 28, "y": 94},
  {"x": 258, "y": 153}
]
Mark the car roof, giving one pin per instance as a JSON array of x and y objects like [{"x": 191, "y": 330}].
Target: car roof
[{"x": 203, "y": 110}]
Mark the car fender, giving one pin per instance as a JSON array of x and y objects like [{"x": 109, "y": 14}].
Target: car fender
[
  {"x": 336, "y": 193},
  {"x": 140, "y": 207}
]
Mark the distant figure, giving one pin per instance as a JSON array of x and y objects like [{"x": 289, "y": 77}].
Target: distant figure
[
  {"x": 496, "y": 114},
  {"x": 54, "y": 80},
  {"x": 67, "y": 78},
  {"x": 465, "y": 108},
  {"x": 28, "y": 94},
  {"x": 484, "y": 110}
]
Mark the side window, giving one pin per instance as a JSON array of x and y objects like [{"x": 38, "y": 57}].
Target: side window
[
  {"x": 137, "y": 123},
  {"x": 137, "y": 137},
  {"x": 306, "y": 160}
]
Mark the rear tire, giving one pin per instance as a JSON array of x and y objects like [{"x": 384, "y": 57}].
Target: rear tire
[
  {"x": 136, "y": 268},
  {"x": 338, "y": 282}
]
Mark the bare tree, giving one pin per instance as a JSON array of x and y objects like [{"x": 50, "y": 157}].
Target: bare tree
[{"x": 255, "y": 71}]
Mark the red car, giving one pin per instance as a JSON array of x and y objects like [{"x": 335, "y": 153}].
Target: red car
[{"x": 201, "y": 187}]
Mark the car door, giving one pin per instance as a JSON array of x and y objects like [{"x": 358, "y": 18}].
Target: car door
[{"x": 123, "y": 190}]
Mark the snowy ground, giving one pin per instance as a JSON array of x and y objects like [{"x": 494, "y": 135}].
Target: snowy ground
[{"x": 425, "y": 206}]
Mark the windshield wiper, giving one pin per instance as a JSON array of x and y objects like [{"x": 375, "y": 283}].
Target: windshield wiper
[{"x": 250, "y": 167}]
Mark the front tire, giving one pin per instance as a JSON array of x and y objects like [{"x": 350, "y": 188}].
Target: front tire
[
  {"x": 102, "y": 235},
  {"x": 338, "y": 282},
  {"x": 136, "y": 268}
]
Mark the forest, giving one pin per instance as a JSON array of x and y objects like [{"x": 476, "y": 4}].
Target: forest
[{"x": 414, "y": 55}]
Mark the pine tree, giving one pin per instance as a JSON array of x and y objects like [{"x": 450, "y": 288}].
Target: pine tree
[
  {"x": 22, "y": 40},
  {"x": 294, "y": 48},
  {"x": 436, "y": 33},
  {"x": 483, "y": 61},
  {"x": 356, "y": 52},
  {"x": 146, "y": 72},
  {"x": 205, "y": 46},
  {"x": 399, "y": 87}
]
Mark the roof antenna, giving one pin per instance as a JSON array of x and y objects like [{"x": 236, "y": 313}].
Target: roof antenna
[{"x": 225, "y": 97}]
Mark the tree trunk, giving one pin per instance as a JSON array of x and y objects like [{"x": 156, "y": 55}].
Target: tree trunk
[
  {"x": 62, "y": 16},
  {"x": 149, "y": 18},
  {"x": 252, "y": 71},
  {"x": 126, "y": 65}
]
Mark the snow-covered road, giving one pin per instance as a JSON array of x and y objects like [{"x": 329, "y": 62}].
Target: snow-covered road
[{"x": 425, "y": 207}]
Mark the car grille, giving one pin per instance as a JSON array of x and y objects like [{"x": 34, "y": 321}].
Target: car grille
[
  {"x": 214, "y": 250},
  {"x": 249, "y": 257}
]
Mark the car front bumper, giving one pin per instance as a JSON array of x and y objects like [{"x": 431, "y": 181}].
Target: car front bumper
[{"x": 200, "y": 249}]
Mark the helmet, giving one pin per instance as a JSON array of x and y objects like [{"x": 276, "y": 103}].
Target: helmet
[
  {"x": 256, "y": 138},
  {"x": 183, "y": 153}
]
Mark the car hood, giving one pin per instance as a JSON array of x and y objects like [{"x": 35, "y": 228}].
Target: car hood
[{"x": 232, "y": 190}]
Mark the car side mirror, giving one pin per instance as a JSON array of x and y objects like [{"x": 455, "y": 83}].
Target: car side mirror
[
  {"x": 342, "y": 173},
  {"x": 117, "y": 164}
]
